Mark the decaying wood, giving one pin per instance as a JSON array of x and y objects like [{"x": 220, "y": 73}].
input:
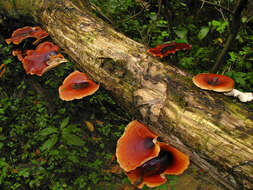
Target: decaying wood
[{"x": 213, "y": 129}]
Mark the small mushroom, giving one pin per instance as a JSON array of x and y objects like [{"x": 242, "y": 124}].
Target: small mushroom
[
  {"x": 26, "y": 32},
  {"x": 76, "y": 86},
  {"x": 42, "y": 59},
  {"x": 164, "y": 50},
  {"x": 136, "y": 146},
  {"x": 152, "y": 173},
  {"x": 215, "y": 82}
]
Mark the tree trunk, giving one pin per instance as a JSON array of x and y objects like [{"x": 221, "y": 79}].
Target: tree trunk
[{"x": 214, "y": 130}]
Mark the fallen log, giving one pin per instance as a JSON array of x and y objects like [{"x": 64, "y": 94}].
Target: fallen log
[{"x": 214, "y": 130}]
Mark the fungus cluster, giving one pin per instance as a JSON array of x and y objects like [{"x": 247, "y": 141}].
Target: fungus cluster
[
  {"x": 45, "y": 57},
  {"x": 164, "y": 50},
  {"x": 40, "y": 60},
  {"x": 145, "y": 159},
  {"x": 221, "y": 83},
  {"x": 76, "y": 86}
]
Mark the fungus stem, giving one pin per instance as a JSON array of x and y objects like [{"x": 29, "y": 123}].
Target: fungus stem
[{"x": 242, "y": 96}]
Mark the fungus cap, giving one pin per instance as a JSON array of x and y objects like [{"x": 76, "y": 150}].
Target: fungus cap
[
  {"x": 152, "y": 173},
  {"x": 26, "y": 32},
  {"x": 43, "y": 58},
  {"x": 136, "y": 146},
  {"x": 215, "y": 82},
  {"x": 76, "y": 86}
]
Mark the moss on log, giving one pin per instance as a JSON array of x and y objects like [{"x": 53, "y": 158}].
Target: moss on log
[{"x": 214, "y": 130}]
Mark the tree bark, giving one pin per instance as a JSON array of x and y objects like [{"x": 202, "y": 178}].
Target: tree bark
[{"x": 215, "y": 131}]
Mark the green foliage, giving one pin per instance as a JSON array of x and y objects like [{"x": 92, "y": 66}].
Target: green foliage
[{"x": 219, "y": 26}]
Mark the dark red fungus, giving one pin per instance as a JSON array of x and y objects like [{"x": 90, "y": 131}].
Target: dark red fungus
[
  {"x": 42, "y": 59},
  {"x": 164, "y": 50},
  {"x": 26, "y": 32}
]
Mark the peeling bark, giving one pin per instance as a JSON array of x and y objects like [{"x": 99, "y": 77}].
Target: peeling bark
[{"x": 216, "y": 132}]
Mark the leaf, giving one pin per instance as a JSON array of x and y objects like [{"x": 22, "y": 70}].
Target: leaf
[
  {"x": 1, "y": 145},
  {"x": 1, "y": 111},
  {"x": 65, "y": 122},
  {"x": 49, "y": 143},
  {"x": 153, "y": 16},
  {"x": 90, "y": 126},
  {"x": 48, "y": 131},
  {"x": 71, "y": 139},
  {"x": 182, "y": 40},
  {"x": 181, "y": 33},
  {"x": 203, "y": 32}
]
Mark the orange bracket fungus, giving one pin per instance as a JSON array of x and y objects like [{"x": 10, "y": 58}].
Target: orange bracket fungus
[
  {"x": 215, "y": 82},
  {"x": 40, "y": 60},
  {"x": 26, "y": 32},
  {"x": 76, "y": 86},
  {"x": 146, "y": 160},
  {"x": 136, "y": 146},
  {"x": 164, "y": 50}
]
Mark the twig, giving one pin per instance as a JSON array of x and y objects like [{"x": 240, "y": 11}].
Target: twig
[
  {"x": 135, "y": 15},
  {"x": 216, "y": 5}
]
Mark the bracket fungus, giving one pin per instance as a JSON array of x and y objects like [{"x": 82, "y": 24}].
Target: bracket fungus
[
  {"x": 22, "y": 33},
  {"x": 164, "y": 50},
  {"x": 42, "y": 59},
  {"x": 76, "y": 86},
  {"x": 144, "y": 159},
  {"x": 215, "y": 82}
]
